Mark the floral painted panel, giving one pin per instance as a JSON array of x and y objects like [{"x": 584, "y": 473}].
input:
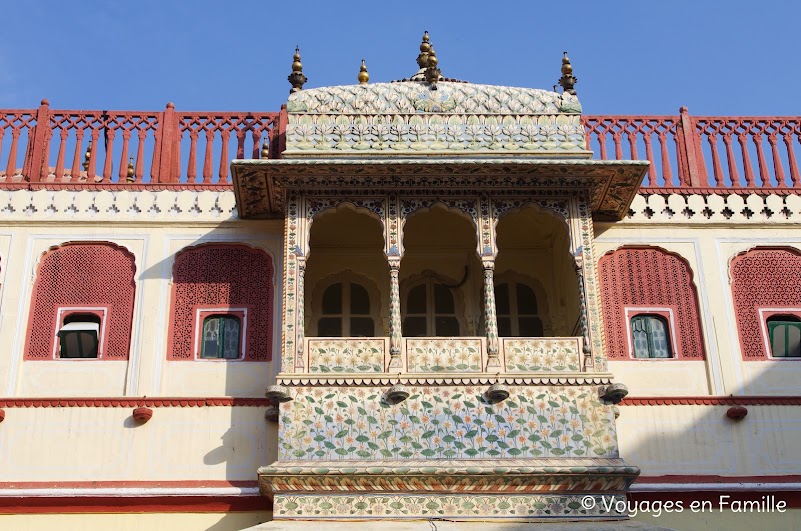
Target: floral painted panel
[
  {"x": 463, "y": 505},
  {"x": 438, "y": 422},
  {"x": 549, "y": 355},
  {"x": 346, "y": 355},
  {"x": 444, "y": 355}
]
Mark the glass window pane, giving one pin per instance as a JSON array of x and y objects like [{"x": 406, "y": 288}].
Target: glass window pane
[
  {"x": 88, "y": 344},
  {"x": 414, "y": 326},
  {"x": 416, "y": 300},
  {"x": 330, "y": 327},
  {"x": 526, "y": 300},
  {"x": 502, "y": 299},
  {"x": 230, "y": 337},
  {"x": 359, "y": 300},
  {"x": 530, "y": 327},
  {"x": 777, "y": 343},
  {"x": 443, "y": 299},
  {"x": 447, "y": 326},
  {"x": 793, "y": 340},
  {"x": 659, "y": 339},
  {"x": 361, "y": 327},
  {"x": 69, "y": 345},
  {"x": 211, "y": 334},
  {"x": 504, "y": 326},
  {"x": 640, "y": 344},
  {"x": 332, "y": 299}
]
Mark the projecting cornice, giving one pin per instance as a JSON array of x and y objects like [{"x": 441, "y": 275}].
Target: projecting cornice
[{"x": 260, "y": 185}]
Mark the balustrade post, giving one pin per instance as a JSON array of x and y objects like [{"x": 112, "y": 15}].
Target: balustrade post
[
  {"x": 36, "y": 165},
  {"x": 490, "y": 319},
  {"x": 583, "y": 317},
  {"x": 169, "y": 142},
  {"x": 395, "y": 325},
  {"x": 690, "y": 140},
  {"x": 300, "y": 313}
]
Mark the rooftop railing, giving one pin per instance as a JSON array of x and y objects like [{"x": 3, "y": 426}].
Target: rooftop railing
[{"x": 193, "y": 149}]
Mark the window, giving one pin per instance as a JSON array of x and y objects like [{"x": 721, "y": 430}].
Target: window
[
  {"x": 79, "y": 337},
  {"x": 346, "y": 311},
  {"x": 430, "y": 311},
  {"x": 649, "y": 334},
  {"x": 516, "y": 311},
  {"x": 221, "y": 337},
  {"x": 785, "y": 336}
]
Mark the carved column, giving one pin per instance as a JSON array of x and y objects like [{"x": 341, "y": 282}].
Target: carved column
[
  {"x": 300, "y": 315},
  {"x": 490, "y": 319},
  {"x": 583, "y": 317},
  {"x": 395, "y": 332}
]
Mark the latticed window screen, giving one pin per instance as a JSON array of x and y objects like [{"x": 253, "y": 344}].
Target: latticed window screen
[
  {"x": 649, "y": 335},
  {"x": 785, "y": 336},
  {"x": 221, "y": 337}
]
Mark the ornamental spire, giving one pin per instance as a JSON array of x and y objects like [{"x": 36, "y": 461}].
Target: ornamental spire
[
  {"x": 296, "y": 78},
  {"x": 363, "y": 77},
  {"x": 567, "y": 80}
]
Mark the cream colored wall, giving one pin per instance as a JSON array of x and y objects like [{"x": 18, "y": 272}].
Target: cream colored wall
[
  {"x": 708, "y": 248},
  {"x": 159, "y": 227},
  {"x": 729, "y": 520},
  {"x": 231, "y": 521}
]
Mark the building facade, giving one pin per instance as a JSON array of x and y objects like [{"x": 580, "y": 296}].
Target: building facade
[{"x": 439, "y": 285}]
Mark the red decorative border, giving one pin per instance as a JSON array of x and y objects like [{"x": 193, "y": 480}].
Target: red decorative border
[
  {"x": 712, "y": 401},
  {"x": 226, "y": 401},
  {"x": 138, "y": 504}
]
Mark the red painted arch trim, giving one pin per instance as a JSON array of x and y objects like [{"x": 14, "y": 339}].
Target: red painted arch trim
[
  {"x": 225, "y": 401},
  {"x": 712, "y": 401},
  {"x": 183, "y": 484}
]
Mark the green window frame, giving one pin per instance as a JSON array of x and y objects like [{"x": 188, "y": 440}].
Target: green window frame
[
  {"x": 784, "y": 333},
  {"x": 650, "y": 336},
  {"x": 221, "y": 337}
]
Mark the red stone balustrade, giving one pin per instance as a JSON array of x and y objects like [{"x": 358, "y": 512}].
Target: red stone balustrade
[{"x": 193, "y": 149}]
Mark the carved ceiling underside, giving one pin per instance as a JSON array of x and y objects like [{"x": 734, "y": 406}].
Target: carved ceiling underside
[{"x": 261, "y": 185}]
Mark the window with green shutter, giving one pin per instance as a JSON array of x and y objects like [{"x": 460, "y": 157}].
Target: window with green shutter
[
  {"x": 221, "y": 337},
  {"x": 650, "y": 336},
  {"x": 785, "y": 336}
]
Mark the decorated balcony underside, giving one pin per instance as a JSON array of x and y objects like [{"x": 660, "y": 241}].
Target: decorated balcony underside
[
  {"x": 445, "y": 422},
  {"x": 512, "y": 489},
  {"x": 328, "y": 356}
]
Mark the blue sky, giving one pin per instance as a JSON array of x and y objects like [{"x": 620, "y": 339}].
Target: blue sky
[{"x": 631, "y": 57}]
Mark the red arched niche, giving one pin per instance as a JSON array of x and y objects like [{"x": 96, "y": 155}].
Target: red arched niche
[
  {"x": 649, "y": 276},
  {"x": 762, "y": 278},
  {"x": 222, "y": 275},
  {"x": 83, "y": 274}
]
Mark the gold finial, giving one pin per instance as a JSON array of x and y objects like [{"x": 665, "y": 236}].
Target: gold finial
[
  {"x": 425, "y": 48},
  {"x": 568, "y": 81},
  {"x": 265, "y": 149},
  {"x": 86, "y": 156},
  {"x": 364, "y": 77},
  {"x": 296, "y": 78},
  {"x": 432, "y": 72},
  {"x": 130, "y": 178}
]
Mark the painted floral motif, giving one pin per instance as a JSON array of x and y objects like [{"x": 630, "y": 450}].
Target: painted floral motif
[
  {"x": 545, "y": 133},
  {"x": 446, "y": 423},
  {"x": 443, "y": 355},
  {"x": 346, "y": 355},
  {"x": 533, "y": 355},
  {"x": 407, "y": 506},
  {"x": 411, "y": 97}
]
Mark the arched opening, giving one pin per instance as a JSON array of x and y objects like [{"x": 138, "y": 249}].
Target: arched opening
[
  {"x": 536, "y": 288},
  {"x": 347, "y": 276},
  {"x": 440, "y": 275}
]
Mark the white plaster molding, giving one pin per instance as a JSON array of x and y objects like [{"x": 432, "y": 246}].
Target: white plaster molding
[
  {"x": 122, "y": 205},
  {"x": 724, "y": 208}
]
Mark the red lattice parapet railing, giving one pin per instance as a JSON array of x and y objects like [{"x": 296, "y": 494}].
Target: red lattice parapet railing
[
  {"x": 92, "y": 148},
  {"x": 688, "y": 154},
  {"x": 702, "y": 154}
]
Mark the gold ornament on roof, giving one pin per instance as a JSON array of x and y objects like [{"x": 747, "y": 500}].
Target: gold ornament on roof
[
  {"x": 425, "y": 47},
  {"x": 296, "y": 78},
  {"x": 568, "y": 81},
  {"x": 130, "y": 175},
  {"x": 86, "y": 156},
  {"x": 363, "y": 77}
]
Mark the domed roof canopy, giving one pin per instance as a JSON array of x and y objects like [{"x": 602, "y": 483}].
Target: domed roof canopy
[{"x": 432, "y": 115}]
